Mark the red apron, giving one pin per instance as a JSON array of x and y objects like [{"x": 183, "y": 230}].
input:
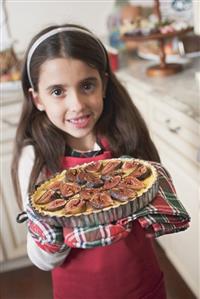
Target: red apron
[{"x": 127, "y": 269}]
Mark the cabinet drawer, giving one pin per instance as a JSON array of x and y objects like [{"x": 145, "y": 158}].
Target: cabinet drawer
[
  {"x": 178, "y": 130},
  {"x": 138, "y": 97}
]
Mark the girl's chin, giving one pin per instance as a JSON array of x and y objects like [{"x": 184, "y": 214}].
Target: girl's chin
[{"x": 79, "y": 133}]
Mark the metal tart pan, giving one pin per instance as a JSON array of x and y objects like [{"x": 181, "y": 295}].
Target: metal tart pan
[{"x": 106, "y": 215}]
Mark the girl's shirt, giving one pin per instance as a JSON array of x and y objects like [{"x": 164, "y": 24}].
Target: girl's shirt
[{"x": 43, "y": 260}]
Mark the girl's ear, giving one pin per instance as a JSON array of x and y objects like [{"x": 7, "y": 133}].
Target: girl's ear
[{"x": 36, "y": 99}]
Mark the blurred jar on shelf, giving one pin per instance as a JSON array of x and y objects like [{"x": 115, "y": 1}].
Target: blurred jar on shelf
[{"x": 10, "y": 66}]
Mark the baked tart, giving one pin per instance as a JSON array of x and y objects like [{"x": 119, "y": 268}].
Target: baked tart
[{"x": 96, "y": 193}]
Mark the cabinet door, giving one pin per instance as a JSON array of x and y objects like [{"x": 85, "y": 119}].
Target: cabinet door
[
  {"x": 183, "y": 248},
  {"x": 13, "y": 234},
  {"x": 140, "y": 100},
  {"x": 181, "y": 133},
  {"x": 137, "y": 92}
]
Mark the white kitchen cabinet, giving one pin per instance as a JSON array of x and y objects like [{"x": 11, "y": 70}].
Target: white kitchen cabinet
[
  {"x": 183, "y": 248},
  {"x": 137, "y": 94},
  {"x": 13, "y": 235},
  {"x": 176, "y": 136},
  {"x": 177, "y": 139},
  {"x": 181, "y": 133}
]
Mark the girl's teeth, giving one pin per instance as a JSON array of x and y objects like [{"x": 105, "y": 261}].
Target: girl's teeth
[{"x": 78, "y": 120}]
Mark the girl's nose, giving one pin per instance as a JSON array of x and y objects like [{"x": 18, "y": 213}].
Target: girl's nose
[{"x": 75, "y": 101}]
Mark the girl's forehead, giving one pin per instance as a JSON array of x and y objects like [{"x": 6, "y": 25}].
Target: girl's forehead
[
  {"x": 69, "y": 64},
  {"x": 66, "y": 71}
]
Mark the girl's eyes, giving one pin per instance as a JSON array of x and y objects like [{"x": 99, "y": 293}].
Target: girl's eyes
[
  {"x": 57, "y": 92},
  {"x": 88, "y": 87},
  {"x": 85, "y": 87}
]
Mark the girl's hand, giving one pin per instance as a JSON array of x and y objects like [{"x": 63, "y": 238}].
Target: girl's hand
[{"x": 47, "y": 237}]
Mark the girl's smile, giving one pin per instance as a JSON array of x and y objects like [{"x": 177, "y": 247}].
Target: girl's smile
[
  {"x": 71, "y": 94},
  {"x": 81, "y": 121}
]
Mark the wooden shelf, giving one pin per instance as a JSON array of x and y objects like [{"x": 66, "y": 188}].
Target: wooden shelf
[
  {"x": 163, "y": 68},
  {"x": 155, "y": 36}
]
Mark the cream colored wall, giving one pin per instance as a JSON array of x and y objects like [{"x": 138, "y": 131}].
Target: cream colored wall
[{"x": 26, "y": 18}]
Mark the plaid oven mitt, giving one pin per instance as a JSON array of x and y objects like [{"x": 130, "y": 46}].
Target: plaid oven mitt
[
  {"x": 164, "y": 215},
  {"x": 94, "y": 236},
  {"x": 47, "y": 237},
  {"x": 53, "y": 239}
]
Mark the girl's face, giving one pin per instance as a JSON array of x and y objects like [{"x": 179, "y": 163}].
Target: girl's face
[{"x": 71, "y": 93}]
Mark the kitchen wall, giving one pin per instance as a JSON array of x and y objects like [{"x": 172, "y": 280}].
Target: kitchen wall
[{"x": 26, "y": 18}]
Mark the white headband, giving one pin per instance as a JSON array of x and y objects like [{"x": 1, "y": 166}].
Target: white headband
[{"x": 51, "y": 33}]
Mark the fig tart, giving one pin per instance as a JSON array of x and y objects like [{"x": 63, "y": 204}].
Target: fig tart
[{"x": 96, "y": 193}]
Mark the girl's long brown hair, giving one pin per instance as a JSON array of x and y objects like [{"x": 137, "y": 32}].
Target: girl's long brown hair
[{"x": 120, "y": 122}]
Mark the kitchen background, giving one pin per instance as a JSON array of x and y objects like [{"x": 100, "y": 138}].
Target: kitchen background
[{"x": 169, "y": 103}]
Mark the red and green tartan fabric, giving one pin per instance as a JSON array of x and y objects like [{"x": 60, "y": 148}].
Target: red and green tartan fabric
[
  {"x": 164, "y": 215},
  {"x": 47, "y": 237}
]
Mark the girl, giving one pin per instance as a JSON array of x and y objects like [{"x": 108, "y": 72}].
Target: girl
[{"x": 76, "y": 111}]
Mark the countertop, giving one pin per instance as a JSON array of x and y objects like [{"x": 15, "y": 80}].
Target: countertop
[{"x": 182, "y": 90}]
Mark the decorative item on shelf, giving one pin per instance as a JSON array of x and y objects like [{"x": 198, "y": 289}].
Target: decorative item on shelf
[
  {"x": 157, "y": 29},
  {"x": 113, "y": 55},
  {"x": 113, "y": 24},
  {"x": 177, "y": 50},
  {"x": 10, "y": 64}
]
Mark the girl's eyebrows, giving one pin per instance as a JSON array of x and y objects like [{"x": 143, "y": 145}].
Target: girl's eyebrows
[
  {"x": 57, "y": 85},
  {"x": 88, "y": 79}
]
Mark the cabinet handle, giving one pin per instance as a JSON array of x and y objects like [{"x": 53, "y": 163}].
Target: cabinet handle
[{"x": 174, "y": 130}]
